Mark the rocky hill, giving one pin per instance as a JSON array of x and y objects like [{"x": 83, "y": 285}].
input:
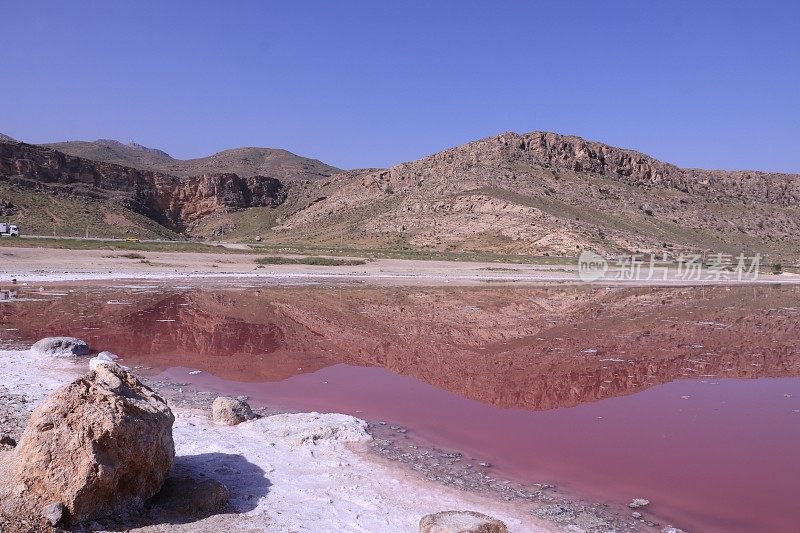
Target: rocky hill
[
  {"x": 111, "y": 151},
  {"x": 245, "y": 162},
  {"x": 544, "y": 193},
  {"x": 175, "y": 203},
  {"x": 535, "y": 194}
]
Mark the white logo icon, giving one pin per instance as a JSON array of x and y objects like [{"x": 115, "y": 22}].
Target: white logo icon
[{"x": 591, "y": 266}]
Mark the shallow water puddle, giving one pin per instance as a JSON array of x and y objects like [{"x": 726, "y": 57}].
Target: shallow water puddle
[{"x": 687, "y": 397}]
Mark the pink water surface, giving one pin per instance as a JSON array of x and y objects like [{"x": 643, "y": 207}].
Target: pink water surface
[
  {"x": 711, "y": 455},
  {"x": 687, "y": 397}
]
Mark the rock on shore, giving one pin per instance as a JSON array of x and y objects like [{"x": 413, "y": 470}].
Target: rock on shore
[
  {"x": 460, "y": 522},
  {"x": 60, "y": 347},
  {"x": 230, "y": 411},
  {"x": 97, "y": 446}
]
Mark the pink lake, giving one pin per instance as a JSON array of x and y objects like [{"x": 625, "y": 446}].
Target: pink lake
[{"x": 687, "y": 397}]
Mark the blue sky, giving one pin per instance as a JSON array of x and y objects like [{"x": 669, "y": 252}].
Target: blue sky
[{"x": 708, "y": 84}]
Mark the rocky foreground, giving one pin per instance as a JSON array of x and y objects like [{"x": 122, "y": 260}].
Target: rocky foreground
[{"x": 105, "y": 452}]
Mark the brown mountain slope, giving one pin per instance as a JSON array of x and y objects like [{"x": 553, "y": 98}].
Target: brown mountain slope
[
  {"x": 245, "y": 162},
  {"x": 538, "y": 193},
  {"x": 548, "y": 193},
  {"x": 111, "y": 151}
]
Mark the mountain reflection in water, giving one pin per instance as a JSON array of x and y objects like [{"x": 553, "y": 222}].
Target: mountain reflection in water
[{"x": 530, "y": 348}]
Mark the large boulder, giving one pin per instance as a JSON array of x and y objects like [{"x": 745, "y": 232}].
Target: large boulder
[
  {"x": 230, "y": 411},
  {"x": 460, "y": 522},
  {"x": 60, "y": 347},
  {"x": 99, "y": 445}
]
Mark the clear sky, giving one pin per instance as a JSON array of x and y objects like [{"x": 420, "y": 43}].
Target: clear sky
[{"x": 713, "y": 84}]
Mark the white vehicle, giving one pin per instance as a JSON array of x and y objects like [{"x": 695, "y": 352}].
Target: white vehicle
[{"x": 9, "y": 230}]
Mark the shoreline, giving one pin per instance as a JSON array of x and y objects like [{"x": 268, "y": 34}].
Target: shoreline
[
  {"x": 36, "y": 265},
  {"x": 372, "y": 481},
  {"x": 325, "y": 479},
  {"x": 398, "y": 448}
]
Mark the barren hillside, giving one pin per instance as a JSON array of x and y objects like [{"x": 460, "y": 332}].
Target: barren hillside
[
  {"x": 534, "y": 194},
  {"x": 32, "y": 176},
  {"x": 245, "y": 162},
  {"x": 547, "y": 193}
]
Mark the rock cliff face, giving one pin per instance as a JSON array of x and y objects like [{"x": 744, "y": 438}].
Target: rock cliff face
[
  {"x": 493, "y": 159},
  {"x": 176, "y": 203},
  {"x": 636, "y": 169},
  {"x": 185, "y": 201},
  {"x": 498, "y": 160}
]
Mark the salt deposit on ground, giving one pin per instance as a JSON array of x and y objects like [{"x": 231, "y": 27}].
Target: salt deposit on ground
[{"x": 290, "y": 472}]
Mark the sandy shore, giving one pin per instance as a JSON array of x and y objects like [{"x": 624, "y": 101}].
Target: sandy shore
[
  {"x": 287, "y": 472},
  {"x": 43, "y": 265}
]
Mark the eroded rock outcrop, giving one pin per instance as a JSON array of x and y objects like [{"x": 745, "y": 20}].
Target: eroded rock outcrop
[
  {"x": 538, "y": 193},
  {"x": 174, "y": 202},
  {"x": 487, "y": 161},
  {"x": 98, "y": 446},
  {"x": 543, "y": 193}
]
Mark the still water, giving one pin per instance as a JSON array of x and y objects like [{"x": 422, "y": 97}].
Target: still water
[{"x": 689, "y": 397}]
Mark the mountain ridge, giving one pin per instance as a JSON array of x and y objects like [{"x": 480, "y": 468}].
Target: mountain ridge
[
  {"x": 244, "y": 161},
  {"x": 173, "y": 202},
  {"x": 538, "y": 193},
  {"x": 547, "y": 193}
]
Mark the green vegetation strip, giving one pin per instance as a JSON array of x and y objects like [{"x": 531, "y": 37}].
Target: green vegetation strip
[
  {"x": 410, "y": 253},
  {"x": 309, "y": 260},
  {"x": 292, "y": 249},
  {"x": 99, "y": 244}
]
